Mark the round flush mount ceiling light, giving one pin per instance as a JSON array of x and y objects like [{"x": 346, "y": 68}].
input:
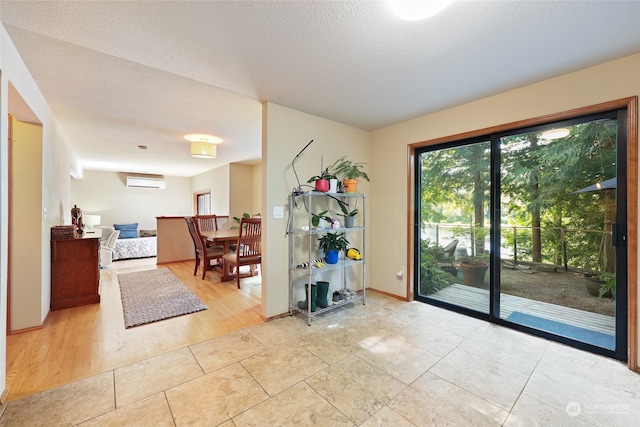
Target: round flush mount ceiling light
[
  {"x": 417, "y": 10},
  {"x": 203, "y": 145},
  {"x": 554, "y": 134}
]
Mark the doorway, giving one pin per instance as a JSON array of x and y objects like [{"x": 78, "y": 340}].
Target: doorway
[
  {"x": 527, "y": 229},
  {"x": 25, "y": 216}
]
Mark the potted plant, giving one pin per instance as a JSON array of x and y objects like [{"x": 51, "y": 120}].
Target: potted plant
[
  {"x": 322, "y": 180},
  {"x": 600, "y": 284},
  {"x": 350, "y": 172},
  {"x": 473, "y": 271},
  {"x": 322, "y": 216},
  {"x": 238, "y": 219},
  {"x": 332, "y": 244},
  {"x": 608, "y": 288},
  {"x": 349, "y": 215}
]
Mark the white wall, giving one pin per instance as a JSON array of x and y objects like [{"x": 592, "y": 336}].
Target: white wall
[
  {"x": 106, "y": 194},
  {"x": 285, "y": 133},
  {"x": 606, "y": 82}
]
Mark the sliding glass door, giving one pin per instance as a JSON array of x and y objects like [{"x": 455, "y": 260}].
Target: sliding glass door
[
  {"x": 454, "y": 225},
  {"x": 526, "y": 228}
]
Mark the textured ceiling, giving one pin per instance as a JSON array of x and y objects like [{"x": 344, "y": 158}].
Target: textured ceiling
[{"x": 119, "y": 74}]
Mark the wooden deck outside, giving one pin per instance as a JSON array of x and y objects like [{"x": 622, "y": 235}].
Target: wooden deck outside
[{"x": 478, "y": 299}]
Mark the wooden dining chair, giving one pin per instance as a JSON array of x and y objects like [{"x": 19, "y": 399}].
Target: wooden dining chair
[
  {"x": 206, "y": 222},
  {"x": 248, "y": 249},
  {"x": 204, "y": 254},
  {"x": 222, "y": 222}
]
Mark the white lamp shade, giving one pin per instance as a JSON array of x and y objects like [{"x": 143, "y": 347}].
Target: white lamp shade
[
  {"x": 91, "y": 220},
  {"x": 205, "y": 150}
]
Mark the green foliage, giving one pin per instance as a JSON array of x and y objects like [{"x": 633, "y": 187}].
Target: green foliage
[
  {"x": 344, "y": 207},
  {"x": 538, "y": 178},
  {"x": 537, "y": 181},
  {"x": 348, "y": 169},
  {"x": 315, "y": 218},
  {"x": 325, "y": 174},
  {"x": 609, "y": 285},
  {"x": 432, "y": 278},
  {"x": 457, "y": 178},
  {"x": 333, "y": 242},
  {"x": 238, "y": 219}
]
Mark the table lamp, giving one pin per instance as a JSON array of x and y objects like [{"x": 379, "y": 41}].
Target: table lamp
[{"x": 91, "y": 220}]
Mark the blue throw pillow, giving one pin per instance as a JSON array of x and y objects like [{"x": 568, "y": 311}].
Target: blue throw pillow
[{"x": 127, "y": 231}]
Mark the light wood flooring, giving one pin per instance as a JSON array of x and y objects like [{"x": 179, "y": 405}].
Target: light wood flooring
[{"x": 80, "y": 342}]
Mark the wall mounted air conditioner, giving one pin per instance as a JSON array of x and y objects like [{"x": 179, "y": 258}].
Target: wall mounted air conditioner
[{"x": 150, "y": 181}]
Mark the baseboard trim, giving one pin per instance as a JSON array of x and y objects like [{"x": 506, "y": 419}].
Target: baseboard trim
[
  {"x": 21, "y": 331},
  {"x": 3, "y": 399},
  {"x": 401, "y": 298}
]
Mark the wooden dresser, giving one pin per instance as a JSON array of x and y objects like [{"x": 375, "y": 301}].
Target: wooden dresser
[{"x": 75, "y": 272}]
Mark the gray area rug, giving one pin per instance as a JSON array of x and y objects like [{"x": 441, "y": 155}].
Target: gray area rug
[{"x": 149, "y": 296}]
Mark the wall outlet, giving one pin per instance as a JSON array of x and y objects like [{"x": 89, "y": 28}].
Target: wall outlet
[{"x": 278, "y": 212}]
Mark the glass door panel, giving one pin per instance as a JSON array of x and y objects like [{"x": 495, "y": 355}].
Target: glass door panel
[
  {"x": 454, "y": 226},
  {"x": 557, "y": 207}
]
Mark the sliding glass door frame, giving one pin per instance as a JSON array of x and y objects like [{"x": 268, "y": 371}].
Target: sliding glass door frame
[{"x": 626, "y": 146}]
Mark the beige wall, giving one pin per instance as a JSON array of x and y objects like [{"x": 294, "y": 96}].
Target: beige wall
[
  {"x": 256, "y": 202},
  {"x": 235, "y": 188},
  {"x": 26, "y": 210},
  {"x": 57, "y": 160},
  {"x": 606, "y": 82},
  {"x": 241, "y": 190},
  {"x": 216, "y": 181},
  {"x": 285, "y": 133},
  {"x": 106, "y": 194}
]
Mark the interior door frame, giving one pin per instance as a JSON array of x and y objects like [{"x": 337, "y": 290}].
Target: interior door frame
[
  {"x": 9, "y": 222},
  {"x": 631, "y": 104}
]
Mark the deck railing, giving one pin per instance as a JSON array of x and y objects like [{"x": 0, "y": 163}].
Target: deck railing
[{"x": 567, "y": 248}]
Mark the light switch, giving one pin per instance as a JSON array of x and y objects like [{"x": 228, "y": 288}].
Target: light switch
[{"x": 278, "y": 212}]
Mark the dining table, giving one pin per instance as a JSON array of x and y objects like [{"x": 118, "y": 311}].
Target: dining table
[{"x": 224, "y": 238}]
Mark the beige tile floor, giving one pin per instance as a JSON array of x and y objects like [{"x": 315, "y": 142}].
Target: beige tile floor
[{"x": 386, "y": 363}]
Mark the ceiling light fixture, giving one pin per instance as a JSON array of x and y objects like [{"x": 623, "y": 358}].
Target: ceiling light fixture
[
  {"x": 203, "y": 146},
  {"x": 417, "y": 10},
  {"x": 554, "y": 134},
  {"x": 204, "y": 150}
]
